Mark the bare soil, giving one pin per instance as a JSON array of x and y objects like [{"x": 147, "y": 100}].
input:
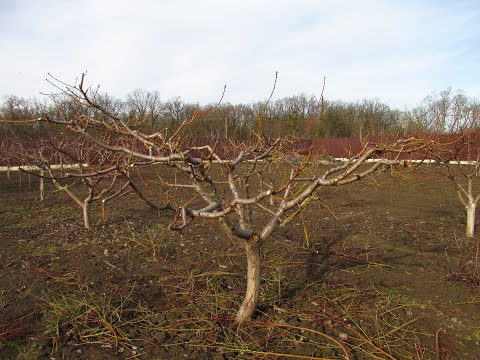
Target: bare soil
[{"x": 376, "y": 270}]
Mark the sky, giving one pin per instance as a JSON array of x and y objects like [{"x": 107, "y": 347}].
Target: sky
[{"x": 395, "y": 51}]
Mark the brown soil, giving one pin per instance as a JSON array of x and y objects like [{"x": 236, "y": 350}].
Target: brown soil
[{"x": 386, "y": 273}]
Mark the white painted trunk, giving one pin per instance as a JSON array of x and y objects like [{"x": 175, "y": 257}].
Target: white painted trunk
[
  {"x": 470, "y": 229},
  {"x": 252, "y": 293}
]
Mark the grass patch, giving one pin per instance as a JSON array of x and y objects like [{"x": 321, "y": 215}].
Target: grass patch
[
  {"x": 86, "y": 318},
  {"x": 33, "y": 249}
]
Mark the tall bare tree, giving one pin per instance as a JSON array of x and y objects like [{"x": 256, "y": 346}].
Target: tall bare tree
[{"x": 145, "y": 105}]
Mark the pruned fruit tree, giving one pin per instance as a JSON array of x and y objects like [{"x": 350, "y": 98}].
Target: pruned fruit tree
[{"x": 252, "y": 189}]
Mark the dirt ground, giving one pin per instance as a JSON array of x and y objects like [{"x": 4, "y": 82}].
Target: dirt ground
[{"x": 382, "y": 271}]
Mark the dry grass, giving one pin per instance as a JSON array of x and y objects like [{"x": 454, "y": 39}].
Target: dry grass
[{"x": 316, "y": 321}]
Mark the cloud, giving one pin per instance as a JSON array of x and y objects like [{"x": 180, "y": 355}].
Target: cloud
[{"x": 394, "y": 51}]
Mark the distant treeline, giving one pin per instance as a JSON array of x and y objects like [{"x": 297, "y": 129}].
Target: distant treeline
[{"x": 299, "y": 116}]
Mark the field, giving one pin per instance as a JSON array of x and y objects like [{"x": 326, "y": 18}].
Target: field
[{"x": 375, "y": 270}]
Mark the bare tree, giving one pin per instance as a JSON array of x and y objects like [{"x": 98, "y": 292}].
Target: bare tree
[
  {"x": 216, "y": 181},
  {"x": 144, "y": 105},
  {"x": 67, "y": 163},
  {"x": 455, "y": 116},
  {"x": 174, "y": 111},
  {"x": 461, "y": 158},
  {"x": 446, "y": 112},
  {"x": 17, "y": 109}
]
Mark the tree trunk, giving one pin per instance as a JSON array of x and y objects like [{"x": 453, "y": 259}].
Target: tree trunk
[
  {"x": 250, "y": 301},
  {"x": 470, "y": 229},
  {"x": 86, "y": 214},
  {"x": 226, "y": 127},
  {"x": 42, "y": 185}
]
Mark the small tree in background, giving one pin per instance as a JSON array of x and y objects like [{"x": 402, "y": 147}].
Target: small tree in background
[
  {"x": 454, "y": 117},
  {"x": 462, "y": 164},
  {"x": 66, "y": 164}
]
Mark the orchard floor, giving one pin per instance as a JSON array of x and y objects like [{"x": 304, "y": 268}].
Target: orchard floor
[{"x": 384, "y": 273}]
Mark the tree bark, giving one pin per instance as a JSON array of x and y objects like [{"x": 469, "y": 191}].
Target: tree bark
[
  {"x": 250, "y": 301},
  {"x": 42, "y": 185},
  {"x": 86, "y": 214},
  {"x": 470, "y": 229}
]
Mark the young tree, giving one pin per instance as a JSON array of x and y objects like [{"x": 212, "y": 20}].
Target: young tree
[
  {"x": 217, "y": 180},
  {"x": 462, "y": 163},
  {"x": 464, "y": 184},
  {"x": 456, "y": 116},
  {"x": 67, "y": 162}
]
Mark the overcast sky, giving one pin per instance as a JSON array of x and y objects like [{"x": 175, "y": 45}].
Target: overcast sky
[{"x": 396, "y": 51}]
